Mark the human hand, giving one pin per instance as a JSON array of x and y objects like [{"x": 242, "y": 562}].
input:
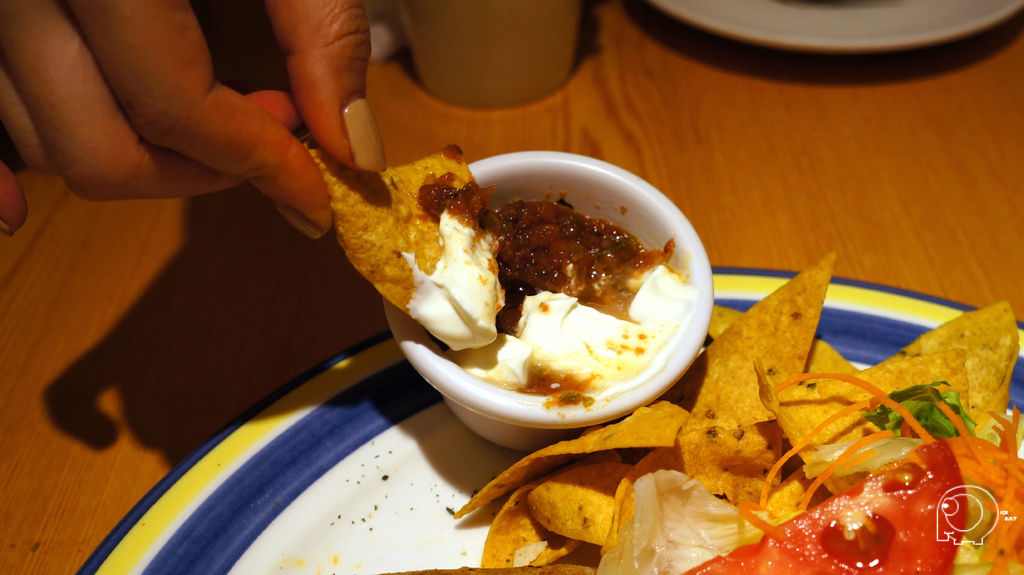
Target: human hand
[{"x": 119, "y": 98}]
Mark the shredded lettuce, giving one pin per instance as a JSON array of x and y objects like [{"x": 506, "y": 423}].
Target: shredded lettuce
[
  {"x": 677, "y": 525},
  {"x": 882, "y": 451},
  {"x": 921, "y": 401},
  {"x": 988, "y": 432}
]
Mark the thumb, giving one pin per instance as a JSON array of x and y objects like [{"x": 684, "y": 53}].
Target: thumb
[{"x": 327, "y": 46}]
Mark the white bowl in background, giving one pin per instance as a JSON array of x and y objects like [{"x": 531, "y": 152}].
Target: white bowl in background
[{"x": 598, "y": 189}]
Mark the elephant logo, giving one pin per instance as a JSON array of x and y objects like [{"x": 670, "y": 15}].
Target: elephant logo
[{"x": 979, "y": 509}]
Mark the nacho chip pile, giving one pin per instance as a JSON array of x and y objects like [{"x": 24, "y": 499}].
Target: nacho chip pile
[{"x": 726, "y": 425}]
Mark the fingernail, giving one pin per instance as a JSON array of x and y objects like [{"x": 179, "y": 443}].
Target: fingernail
[
  {"x": 5, "y": 228},
  {"x": 309, "y": 228},
  {"x": 364, "y": 136}
]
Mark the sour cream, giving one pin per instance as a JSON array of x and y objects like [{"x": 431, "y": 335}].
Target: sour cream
[
  {"x": 458, "y": 302},
  {"x": 558, "y": 334}
]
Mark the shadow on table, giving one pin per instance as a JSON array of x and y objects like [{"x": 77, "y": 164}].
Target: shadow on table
[
  {"x": 246, "y": 305},
  {"x": 820, "y": 68}
]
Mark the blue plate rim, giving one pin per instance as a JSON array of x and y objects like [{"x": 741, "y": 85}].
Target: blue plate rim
[{"x": 131, "y": 518}]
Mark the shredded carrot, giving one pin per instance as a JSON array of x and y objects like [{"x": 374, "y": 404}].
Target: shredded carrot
[
  {"x": 982, "y": 447},
  {"x": 878, "y": 397},
  {"x": 807, "y": 439},
  {"x": 958, "y": 422},
  {"x": 843, "y": 457},
  {"x": 749, "y": 509},
  {"x": 908, "y": 418},
  {"x": 1001, "y": 471},
  {"x": 883, "y": 397},
  {"x": 1012, "y": 536},
  {"x": 997, "y": 467},
  {"x": 1007, "y": 431},
  {"x": 1011, "y": 491},
  {"x": 836, "y": 376},
  {"x": 955, "y": 418},
  {"x": 977, "y": 470},
  {"x": 1016, "y": 473},
  {"x": 861, "y": 456}
]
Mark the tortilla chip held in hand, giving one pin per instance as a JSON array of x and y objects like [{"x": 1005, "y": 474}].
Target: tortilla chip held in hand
[{"x": 414, "y": 232}]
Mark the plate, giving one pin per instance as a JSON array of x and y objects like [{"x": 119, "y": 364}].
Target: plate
[
  {"x": 356, "y": 466},
  {"x": 842, "y": 26}
]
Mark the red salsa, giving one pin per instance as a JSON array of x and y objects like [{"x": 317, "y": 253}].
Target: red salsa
[
  {"x": 548, "y": 246},
  {"x": 468, "y": 203}
]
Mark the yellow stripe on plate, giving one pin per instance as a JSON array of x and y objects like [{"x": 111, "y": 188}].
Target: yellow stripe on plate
[
  {"x": 859, "y": 297},
  {"x": 194, "y": 483},
  {"x": 755, "y": 287}
]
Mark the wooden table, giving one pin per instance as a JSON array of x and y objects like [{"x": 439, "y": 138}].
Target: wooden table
[{"x": 132, "y": 331}]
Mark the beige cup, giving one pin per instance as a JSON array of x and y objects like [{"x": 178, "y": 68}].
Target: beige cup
[{"x": 491, "y": 53}]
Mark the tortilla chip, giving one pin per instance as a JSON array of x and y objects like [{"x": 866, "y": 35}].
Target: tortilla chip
[
  {"x": 652, "y": 426},
  {"x": 785, "y": 498},
  {"x": 514, "y": 528},
  {"x": 721, "y": 318},
  {"x": 802, "y": 407},
  {"x": 991, "y": 340},
  {"x": 731, "y": 462},
  {"x": 823, "y": 358},
  {"x": 778, "y": 330},
  {"x": 378, "y": 217},
  {"x": 658, "y": 458},
  {"x": 579, "y": 502}
]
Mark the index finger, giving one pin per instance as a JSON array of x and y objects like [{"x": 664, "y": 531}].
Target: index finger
[
  {"x": 155, "y": 58},
  {"x": 327, "y": 44}
]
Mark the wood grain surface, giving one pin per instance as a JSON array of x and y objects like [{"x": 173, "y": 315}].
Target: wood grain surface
[{"x": 132, "y": 331}]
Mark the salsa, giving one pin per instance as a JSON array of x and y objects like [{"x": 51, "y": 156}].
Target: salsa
[
  {"x": 545, "y": 245},
  {"x": 548, "y": 246},
  {"x": 468, "y": 203}
]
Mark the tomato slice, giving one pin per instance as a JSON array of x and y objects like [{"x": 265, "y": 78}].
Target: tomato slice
[{"x": 892, "y": 522}]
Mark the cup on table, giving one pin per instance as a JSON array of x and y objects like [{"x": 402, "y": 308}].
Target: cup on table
[{"x": 491, "y": 53}]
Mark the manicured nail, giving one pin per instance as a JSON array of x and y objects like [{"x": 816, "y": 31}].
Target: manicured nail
[
  {"x": 5, "y": 228},
  {"x": 309, "y": 228},
  {"x": 364, "y": 136}
]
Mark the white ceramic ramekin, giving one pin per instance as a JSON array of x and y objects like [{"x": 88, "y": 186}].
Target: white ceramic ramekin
[{"x": 596, "y": 188}]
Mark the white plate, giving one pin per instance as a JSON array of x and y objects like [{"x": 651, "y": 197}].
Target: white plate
[
  {"x": 356, "y": 466},
  {"x": 842, "y": 26}
]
